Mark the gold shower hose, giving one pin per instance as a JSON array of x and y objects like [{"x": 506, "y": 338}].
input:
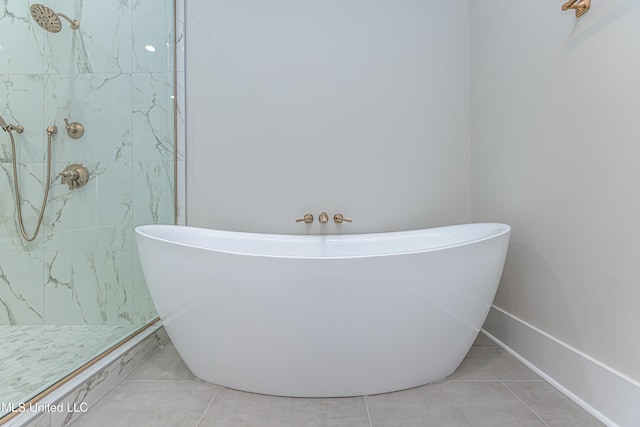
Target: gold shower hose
[{"x": 50, "y": 131}]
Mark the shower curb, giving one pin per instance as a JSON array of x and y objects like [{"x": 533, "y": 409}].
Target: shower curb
[{"x": 71, "y": 399}]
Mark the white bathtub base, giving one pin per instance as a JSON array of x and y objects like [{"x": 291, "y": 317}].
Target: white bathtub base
[{"x": 323, "y": 326}]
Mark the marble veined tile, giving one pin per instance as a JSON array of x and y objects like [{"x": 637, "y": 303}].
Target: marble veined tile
[
  {"x": 96, "y": 217},
  {"x": 30, "y": 177},
  {"x": 152, "y": 35},
  {"x": 181, "y": 148},
  {"x": 18, "y": 95},
  {"x": 88, "y": 287},
  {"x": 143, "y": 308},
  {"x": 35, "y": 357},
  {"x": 20, "y": 40},
  {"x": 153, "y": 124},
  {"x": 152, "y": 193},
  {"x": 180, "y": 33},
  {"x": 102, "y": 44},
  {"x": 21, "y": 288},
  {"x": 102, "y": 103}
]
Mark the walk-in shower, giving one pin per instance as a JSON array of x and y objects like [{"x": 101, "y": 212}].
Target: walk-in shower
[{"x": 72, "y": 287}]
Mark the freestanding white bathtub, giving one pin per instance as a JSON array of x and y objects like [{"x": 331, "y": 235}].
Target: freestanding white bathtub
[{"x": 324, "y": 315}]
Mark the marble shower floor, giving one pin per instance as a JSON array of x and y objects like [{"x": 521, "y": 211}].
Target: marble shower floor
[
  {"x": 491, "y": 388},
  {"x": 34, "y": 357}
]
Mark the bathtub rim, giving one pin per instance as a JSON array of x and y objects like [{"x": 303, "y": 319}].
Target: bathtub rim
[{"x": 140, "y": 231}]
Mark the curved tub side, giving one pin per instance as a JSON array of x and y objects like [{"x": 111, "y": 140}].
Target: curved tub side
[{"x": 310, "y": 327}]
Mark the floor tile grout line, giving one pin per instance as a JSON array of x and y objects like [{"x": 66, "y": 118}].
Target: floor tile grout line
[
  {"x": 497, "y": 380},
  {"x": 525, "y": 404},
  {"x": 366, "y": 406},
  {"x": 207, "y": 408},
  {"x": 171, "y": 379}
]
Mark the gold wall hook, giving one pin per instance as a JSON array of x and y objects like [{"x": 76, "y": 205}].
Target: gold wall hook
[{"x": 581, "y": 6}]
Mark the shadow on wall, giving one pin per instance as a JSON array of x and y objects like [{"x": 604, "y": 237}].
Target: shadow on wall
[
  {"x": 531, "y": 289},
  {"x": 599, "y": 17}
]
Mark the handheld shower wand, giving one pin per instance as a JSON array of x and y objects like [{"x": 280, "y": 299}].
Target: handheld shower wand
[{"x": 50, "y": 131}]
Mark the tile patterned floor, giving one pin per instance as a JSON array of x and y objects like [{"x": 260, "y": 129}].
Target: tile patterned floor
[
  {"x": 34, "y": 357},
  {"x": 491, "y": 388}
]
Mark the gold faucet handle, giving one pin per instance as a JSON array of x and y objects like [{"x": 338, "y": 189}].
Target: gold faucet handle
[
  {"x": 74, "y": 129},
  {"x": 75, "y": 176},
  {"x": 339, "y": 219},
  {"x": 307, "y": 219}
]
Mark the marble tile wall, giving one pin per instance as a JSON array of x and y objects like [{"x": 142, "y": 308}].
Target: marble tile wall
[{"x": 83, "y": 267}]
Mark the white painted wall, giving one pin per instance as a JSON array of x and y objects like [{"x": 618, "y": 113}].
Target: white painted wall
[
  {"x": 358, "y": 107},
  {"x": 556, "y": 154},
  {"x": 362, "y": 107}
]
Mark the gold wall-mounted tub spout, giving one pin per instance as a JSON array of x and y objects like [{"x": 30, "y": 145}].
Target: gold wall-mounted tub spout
[
  {"x": 307, "y": 219},
  {"x": 581, "y": 6},
  {"x": 339, "y": 219},
  {"x": 323, "y": 218}
]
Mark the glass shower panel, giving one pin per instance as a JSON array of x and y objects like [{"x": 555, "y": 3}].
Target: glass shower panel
[{"x": 77, "y": 289}]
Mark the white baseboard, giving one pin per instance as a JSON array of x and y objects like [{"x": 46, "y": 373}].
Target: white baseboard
[{"x": 608, "y": 395}]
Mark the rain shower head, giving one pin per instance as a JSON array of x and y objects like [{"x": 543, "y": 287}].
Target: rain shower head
[{"x": 50, "y": 20}]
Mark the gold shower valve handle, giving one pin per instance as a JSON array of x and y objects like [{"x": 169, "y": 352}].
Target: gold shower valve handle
[
  {"x": 307, "y": 219},
  {"x": 339, "y": 219},
  {"x": 75, "y": 176},
  {"x": 74, "y": 129},
  {"x": 69, "y": 175}
]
